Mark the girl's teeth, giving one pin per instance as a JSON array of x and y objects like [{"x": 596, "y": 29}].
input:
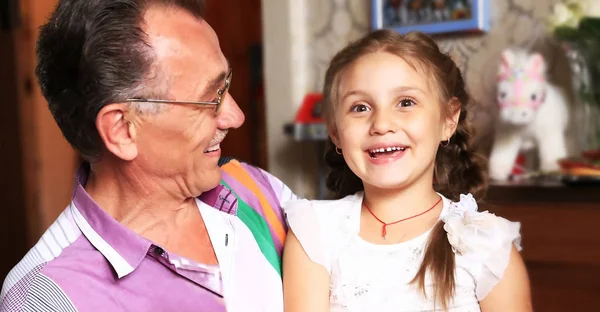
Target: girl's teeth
[{"x": 387, "y": 149}]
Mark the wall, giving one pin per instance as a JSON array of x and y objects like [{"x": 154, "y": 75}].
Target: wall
[
  {"x": 301, "y": 36},
  {"x": 286, "y": 81}
]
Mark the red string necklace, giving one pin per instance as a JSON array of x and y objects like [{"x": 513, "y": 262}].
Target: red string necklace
[{"x": 384, "y": 231}]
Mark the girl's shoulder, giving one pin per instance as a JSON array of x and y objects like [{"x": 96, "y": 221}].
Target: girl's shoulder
[
  {"x": 332, "y": 203},
  {"x": 319, "y": 225},
  {"x": 326, "y": 212},
  {"x": 471, "y": 231},
  {"x": 482, "y": 240}
]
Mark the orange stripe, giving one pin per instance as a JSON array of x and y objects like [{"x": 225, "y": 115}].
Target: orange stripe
[{"x": 235, "y": 169}]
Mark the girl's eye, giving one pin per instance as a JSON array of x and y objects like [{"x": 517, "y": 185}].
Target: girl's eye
[
  {"x": 360, "y": 108},
  {"x": 406, "y": 103}
]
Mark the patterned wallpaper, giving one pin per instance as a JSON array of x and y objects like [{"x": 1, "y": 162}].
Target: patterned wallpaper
[{"x": 514, "y": 23}]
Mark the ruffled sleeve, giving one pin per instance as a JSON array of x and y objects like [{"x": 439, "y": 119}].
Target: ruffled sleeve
[
  {"x": 303, "y": 220},
  {"x": 483, "y": 238}
]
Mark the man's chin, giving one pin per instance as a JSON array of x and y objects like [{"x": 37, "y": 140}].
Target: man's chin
[{"x": 209, "y": 179}]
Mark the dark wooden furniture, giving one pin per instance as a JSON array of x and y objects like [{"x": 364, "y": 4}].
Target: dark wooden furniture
[{"x": 560, "y": 239}]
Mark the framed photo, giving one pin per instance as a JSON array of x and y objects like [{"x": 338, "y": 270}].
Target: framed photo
[{"x": 431, "y": 16}]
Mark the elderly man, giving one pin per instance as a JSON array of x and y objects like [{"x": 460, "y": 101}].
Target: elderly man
[{"x": 140, "y": 89}]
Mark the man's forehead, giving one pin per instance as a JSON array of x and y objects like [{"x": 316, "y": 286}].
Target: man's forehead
[
  {"x": 180, "y": 37},
  {"x": 180, "y": 28}
]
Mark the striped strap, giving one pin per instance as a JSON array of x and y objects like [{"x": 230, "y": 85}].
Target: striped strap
[
  {"x": 235, "y": 169},
  {"x": 265, "y": 229}
]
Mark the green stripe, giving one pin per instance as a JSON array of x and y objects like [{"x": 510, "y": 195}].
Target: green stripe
[{"x": 260, "y": 230}]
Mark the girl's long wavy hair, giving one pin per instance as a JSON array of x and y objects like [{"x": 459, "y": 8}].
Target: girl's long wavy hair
[{"x": 458, "y": 168}]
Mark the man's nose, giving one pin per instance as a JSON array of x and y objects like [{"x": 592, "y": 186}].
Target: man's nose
[{"x": 230, "y": 116}]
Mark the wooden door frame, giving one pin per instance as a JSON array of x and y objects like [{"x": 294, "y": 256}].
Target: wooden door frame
[
  {"x": 240, "y": 37},
  {"x": 13, "y": 224}
]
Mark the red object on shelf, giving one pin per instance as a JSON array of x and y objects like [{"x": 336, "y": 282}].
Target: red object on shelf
[
  {"x": 310, "y": 109},
  {"x": 519, "y": 167},
  {"x": 592, "y": 155}
]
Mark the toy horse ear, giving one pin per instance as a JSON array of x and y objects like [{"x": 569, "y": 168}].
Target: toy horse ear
[
  {"x": 506, "y": 60},
  {"x": 536, "y": 65}
]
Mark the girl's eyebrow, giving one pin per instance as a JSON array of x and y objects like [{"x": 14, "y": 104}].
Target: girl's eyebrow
[
  {"x": 354, "y": 92},
  {"x": 398, "y": 89},
  {"x": 408, "y": 88}
]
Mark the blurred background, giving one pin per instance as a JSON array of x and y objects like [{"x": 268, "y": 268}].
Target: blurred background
[{"x": 280, "y": 50}]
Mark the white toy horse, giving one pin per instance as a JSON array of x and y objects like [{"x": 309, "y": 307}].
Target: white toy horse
[{"x": 532, "y": 113}]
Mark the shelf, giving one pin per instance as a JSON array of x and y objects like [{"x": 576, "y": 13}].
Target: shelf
[
  {"x": 540, "y": 192},
  {"x": 306, "y": 132}
]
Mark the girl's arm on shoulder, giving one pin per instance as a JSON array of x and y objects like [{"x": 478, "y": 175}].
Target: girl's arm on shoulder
[
  {"x": 512, "y": 293},
  {"x": 305, "y": 283}
]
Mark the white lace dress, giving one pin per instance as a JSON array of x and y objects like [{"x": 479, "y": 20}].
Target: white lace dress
[{"x": 370, "y": 277}]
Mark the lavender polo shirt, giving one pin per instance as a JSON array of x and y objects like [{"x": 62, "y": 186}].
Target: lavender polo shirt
[{"x": 87, "y": 261}]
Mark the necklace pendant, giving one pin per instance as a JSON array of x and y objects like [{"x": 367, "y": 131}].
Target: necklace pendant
[{"x": 384, "y": 225}]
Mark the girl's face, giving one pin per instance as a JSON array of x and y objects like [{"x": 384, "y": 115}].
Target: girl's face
[{"x": 389, "y": 122}]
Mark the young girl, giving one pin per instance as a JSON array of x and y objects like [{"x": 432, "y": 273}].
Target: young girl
[{"x": 406, "y": 234}]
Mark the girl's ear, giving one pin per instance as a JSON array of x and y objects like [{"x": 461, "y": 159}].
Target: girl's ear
[
  {"x": 451, "y": 122},
  {"x": 333, "y": 134}
]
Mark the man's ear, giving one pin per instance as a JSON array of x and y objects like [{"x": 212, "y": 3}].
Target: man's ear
[
  {"x": 117, "y": 132},
  {"x": 451, "y": 122}
]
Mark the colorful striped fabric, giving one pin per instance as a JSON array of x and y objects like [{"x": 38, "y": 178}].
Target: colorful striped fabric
[{"x": 258, "y": 207}]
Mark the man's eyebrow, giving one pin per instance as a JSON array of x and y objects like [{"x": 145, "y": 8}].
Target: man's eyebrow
[{"x": 217, "y": 82}]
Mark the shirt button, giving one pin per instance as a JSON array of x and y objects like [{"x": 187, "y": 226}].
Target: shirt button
[{"x": 159, "y": 251}]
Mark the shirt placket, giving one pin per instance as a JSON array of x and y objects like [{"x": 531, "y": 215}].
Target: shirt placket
[{"x": 206, "y": 276}]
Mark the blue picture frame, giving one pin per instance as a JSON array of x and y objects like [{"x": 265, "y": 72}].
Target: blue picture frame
[{"x": 385, "y": 15}]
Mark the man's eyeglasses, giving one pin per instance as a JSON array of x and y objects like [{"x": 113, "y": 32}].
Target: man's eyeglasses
[{"x": 217, "y": 103}]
